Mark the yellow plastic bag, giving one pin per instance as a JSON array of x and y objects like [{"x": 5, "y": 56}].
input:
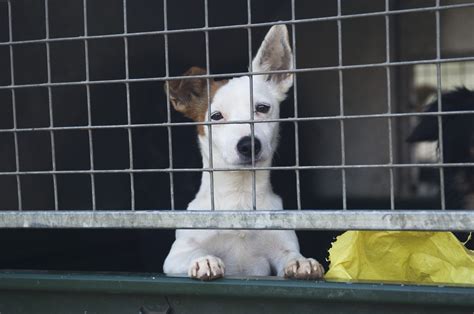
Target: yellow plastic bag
[{"x": 403, "y": 256}]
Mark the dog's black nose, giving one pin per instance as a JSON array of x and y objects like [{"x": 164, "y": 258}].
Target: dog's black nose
[{"x": 244, "y": 146}]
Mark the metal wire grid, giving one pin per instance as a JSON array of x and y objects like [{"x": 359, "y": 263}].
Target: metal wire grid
[
  {"x": 392, "y": 220},
  {"x": 341, "y": 104},
  {"x": 89, "y": 112},
  {"x": 208, "y": 91},
  {"x": 440, "y": 124},
  {"x": 168, "y": 103}
]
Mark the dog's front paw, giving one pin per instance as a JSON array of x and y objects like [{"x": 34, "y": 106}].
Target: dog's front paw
[
  {"x": 304, "y": 268},
  {"x": 206, "y": 268}
]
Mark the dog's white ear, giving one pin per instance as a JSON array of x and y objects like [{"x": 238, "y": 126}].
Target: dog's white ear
[{"x": 275, "y": 54}]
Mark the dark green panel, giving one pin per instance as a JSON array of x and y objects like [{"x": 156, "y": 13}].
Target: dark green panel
[{"x": 30, "y": 292}]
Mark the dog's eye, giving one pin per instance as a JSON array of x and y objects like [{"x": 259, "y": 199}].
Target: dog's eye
[
  {"x": 262, "y": 108},
  {"x": 217, "y": 116}
]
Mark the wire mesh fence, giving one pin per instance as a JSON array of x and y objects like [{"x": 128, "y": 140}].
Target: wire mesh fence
[{"x": 392, "y": 217}]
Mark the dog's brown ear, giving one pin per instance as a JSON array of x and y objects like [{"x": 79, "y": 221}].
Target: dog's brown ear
[{"x": 189, "y": 96}]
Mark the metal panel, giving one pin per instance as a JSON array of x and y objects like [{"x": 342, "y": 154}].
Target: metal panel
[
  {"x": 303, "y": 220},
  {"x": 98, "y": 293}
]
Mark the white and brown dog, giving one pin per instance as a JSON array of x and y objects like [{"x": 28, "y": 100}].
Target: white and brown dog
[{"x": 209, "y": 254}]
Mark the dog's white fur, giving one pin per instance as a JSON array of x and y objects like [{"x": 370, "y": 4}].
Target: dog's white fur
[{"x": 209, "y": 254}]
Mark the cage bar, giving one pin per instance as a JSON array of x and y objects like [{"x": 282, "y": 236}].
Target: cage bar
[
  {"x": 242, "y": 26},
  {"x": 440, "y": 108},
  {"x": 295, "y": 100},
  {"x": 287, "y": 168},
  {"x": 433, "y": 220},
  {"x": 15, "y": 121},
  {"x": 168, "y": 104},
  {"x": 129, "y": 114},
  {"x": 224, "y": 75},
  {"x": 50, "y": 107},
  {"x": 252, "y": 115},
  {"x": 341, "y": 105},
  {"x": 303, "y": 119},
  {"x": 209, "y": 127},
  {"x": 89, "y": 111},
  {"x": 389, "y": 103}
]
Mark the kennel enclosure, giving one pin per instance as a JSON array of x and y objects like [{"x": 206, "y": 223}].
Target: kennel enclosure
[{"x": 89, "y": 139}]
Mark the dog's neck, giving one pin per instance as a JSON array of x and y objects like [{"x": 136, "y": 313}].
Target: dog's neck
[
  {"x": 239, "y": 181},
  {"x": 233, "y": 190}
]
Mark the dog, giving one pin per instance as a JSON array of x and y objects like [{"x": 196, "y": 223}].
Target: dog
[
  {"x": 458, "y": 144},
  {"x": 211, "y": 254},
  {"x": 458, "y": 147}
]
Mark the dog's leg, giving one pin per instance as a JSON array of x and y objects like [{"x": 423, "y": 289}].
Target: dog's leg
[
  {"x": 188, "y": 257},
  {"x": 288, "y": 261},
  {"x": 303, "y": 268},
  {"x": 206, "y": 268}
]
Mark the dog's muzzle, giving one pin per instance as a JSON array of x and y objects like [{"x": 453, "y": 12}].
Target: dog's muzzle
[{"x": 244, "y": 148}]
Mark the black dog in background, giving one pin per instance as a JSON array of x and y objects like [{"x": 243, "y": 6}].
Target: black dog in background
[{"x": 458, "y": 145}]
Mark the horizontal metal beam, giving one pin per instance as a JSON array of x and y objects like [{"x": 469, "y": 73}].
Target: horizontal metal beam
[
  {"x": 241, "y": 26},
  {"x": 452, "y": 220},
  {"x": 338, "y": 117},
  {"x": 232, "y": 74},
  {"x": 242, "y": 168},
  {"x": 260, "y": 289}
]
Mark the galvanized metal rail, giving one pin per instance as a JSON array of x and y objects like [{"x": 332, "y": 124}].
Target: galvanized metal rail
[{"x": 263, "y": 220}]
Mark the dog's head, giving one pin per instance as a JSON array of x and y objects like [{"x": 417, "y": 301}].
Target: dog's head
[
  {"x": 458, "y": 144},
  {"x": 230, "y": 101}
]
